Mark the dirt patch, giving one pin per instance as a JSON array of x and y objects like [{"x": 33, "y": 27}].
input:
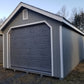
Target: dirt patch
[{"x": 11, "y": 77}]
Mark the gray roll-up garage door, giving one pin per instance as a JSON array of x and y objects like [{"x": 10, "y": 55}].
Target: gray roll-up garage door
[{"x": 30, "y": 48}]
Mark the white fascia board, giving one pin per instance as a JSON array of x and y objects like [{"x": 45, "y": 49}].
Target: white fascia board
[
  {"x": 51, "y": 15},
  {"x": 73, "y": 27},
  {"x": 9, "y": 18}
]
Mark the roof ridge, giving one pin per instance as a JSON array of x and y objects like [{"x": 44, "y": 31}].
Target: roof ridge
[{"x": 42, "y": 9}]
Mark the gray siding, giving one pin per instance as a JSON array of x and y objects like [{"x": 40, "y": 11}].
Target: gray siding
[
  {"x": 72, "y": 49},
  {"x": 83, "y": 47},
  {"x": 56, "y": 50},
  {"x": 35, "y": 17},
  {"x": 1, "y": 49}
]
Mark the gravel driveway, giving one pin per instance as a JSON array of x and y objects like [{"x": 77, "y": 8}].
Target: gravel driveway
[{"x": 11, "y": 77}]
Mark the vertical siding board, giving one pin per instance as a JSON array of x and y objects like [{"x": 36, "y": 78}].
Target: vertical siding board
[
  {"x": 56, "y": 50},
  {"x": 4, "y": 50}
]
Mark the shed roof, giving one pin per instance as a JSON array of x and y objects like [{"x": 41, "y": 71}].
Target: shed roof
[{"x": 43, "y": 12}]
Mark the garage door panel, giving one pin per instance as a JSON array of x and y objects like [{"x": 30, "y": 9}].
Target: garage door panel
[{"x": 31, "y": 47}]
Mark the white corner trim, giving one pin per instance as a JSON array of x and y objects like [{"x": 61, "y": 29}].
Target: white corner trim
[
  {"x": 34, "y": 23},
  {"x": 52, "y": 67},
  {"x": 61, "y": 53},
  {"x": 3, "y": 53}
]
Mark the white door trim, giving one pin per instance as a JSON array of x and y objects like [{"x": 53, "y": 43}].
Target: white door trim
[{"x": 51, "y": 37}]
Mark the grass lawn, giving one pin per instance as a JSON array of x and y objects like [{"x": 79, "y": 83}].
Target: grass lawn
[{"x": 11, "y": 77}]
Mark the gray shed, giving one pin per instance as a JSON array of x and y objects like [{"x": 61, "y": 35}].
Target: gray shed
[{"x": 38, "y": 41}]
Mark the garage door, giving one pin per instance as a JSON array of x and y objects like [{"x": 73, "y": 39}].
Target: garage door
[{"x": 30, "y": 48}]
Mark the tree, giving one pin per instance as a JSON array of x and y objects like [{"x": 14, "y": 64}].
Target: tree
[
  {"x": 63, "y": 12},
  {"x": 78, "y": 20},
  {"x": 2, "y": 20},
  {"x": 71, "y": 18}
]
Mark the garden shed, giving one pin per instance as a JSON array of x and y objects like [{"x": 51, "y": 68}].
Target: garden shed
[{"x": 41, "y": 42}]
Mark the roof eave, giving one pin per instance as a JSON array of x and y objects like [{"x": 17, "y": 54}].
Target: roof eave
[
  {"x": 11, "y": 15},
  {"x": 58, "y": 18},
  {"x": 48, "y": 14},
  {"x": 73, "y": 27}
]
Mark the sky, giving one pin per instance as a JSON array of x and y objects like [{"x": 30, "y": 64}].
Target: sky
[{"x": 7, "y": 6}]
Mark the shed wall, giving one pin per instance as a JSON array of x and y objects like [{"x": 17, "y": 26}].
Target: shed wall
[
  {"x": 72, "y": 49},
  {"x": 1, "y": 49},
  {"x": 83, "y": 47},
  {"x": 35, "y": 17}
]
